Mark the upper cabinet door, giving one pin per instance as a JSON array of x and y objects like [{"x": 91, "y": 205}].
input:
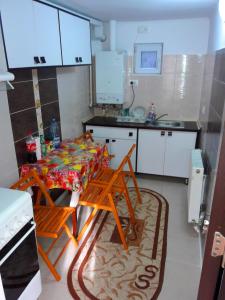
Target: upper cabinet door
[
  {"x": 75, "y": 39},
  {"x": 47, "y": 36},
  {"x": 18, "y": 29}
]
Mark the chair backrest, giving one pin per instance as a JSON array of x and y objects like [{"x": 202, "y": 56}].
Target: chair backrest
[
  {"x": 32, "y": 179},
  {"x": 116, "y": 174},
  {"x": 126, "y": 159},
  {"x": 86, "y": 136}
]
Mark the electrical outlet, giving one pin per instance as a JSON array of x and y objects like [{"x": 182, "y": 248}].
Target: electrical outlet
[{"x": 134, "y": 82}]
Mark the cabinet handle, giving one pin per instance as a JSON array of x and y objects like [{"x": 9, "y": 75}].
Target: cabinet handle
[
  {"x": 170, "y": 133},
  {"x": 36, "y": 60},
  {"x": 113, "y": 141},
  {"x": 77, "y": 59},
  {"x": 43, "y": 60},
  {"x": 162, "y": 133},
  {"x": 130, "y": 133},
  {"x": 80, "y": 59},
  {"x": 107, "y": 141}
]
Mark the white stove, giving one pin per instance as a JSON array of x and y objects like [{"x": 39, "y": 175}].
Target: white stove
[
  {"x": 19, "y": 267},
  {"x": 16, "y": 210}
]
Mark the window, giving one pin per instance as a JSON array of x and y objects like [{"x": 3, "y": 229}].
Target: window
[{"x": 148, "y": 58}]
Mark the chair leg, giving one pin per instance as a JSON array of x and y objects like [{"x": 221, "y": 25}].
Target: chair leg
[
  {"x": 129, "y": 205},
  {"x": 67, "y": 230},
  {"x": 135, "y": 182},
  {"x": 116, "y": 216},
  {"x": 48, "y": 263},
  {"x": 90, "y": 218}
]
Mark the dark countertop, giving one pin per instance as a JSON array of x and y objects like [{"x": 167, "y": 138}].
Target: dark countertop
[{"x": 111, "y": 122}]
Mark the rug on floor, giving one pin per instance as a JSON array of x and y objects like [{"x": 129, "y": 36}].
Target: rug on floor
[{"x": 103, "y": 270}]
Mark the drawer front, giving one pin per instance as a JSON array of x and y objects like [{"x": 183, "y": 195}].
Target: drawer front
[{"x": 113, "y": 132}]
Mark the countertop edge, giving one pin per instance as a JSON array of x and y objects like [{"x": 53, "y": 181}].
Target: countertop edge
[{"x": 190, "y": 126}]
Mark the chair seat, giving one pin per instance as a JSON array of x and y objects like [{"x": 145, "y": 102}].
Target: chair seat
[
  {"x": 105, "y": 175},
  {"x": 49, "y": 220},
  {"x": 90, "y": 197}
]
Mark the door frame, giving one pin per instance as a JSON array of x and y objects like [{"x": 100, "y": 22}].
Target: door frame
[{"x": 211, "y": 268}]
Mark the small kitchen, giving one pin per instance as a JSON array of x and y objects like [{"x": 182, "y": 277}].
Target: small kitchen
[{"x": 146, "y": 84}]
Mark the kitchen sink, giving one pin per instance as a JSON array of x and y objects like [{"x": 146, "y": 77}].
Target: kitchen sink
[
  {"x": 167, "y": 123},
  {"x": 131, "y": 119}
]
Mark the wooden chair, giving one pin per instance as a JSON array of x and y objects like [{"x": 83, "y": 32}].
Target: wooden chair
[
  {"x": 50, "y": 219},
  {"x": 86, "y": 136},
  {"x": 120, "y": 185},
  {"x": 102, "y": 196}
]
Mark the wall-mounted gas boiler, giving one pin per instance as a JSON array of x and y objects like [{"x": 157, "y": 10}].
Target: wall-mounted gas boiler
[{"x": 110, "y": 76}]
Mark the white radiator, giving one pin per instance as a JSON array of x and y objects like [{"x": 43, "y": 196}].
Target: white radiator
[{"x": 195, "y": 186}]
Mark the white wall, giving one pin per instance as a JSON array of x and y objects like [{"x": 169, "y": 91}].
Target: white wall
[
  {"x": 217, "y": 31},
  {"x": 181, "y": 36},
  {"x": 8, "y": 164},
  {"x": 73, "y": 89}
]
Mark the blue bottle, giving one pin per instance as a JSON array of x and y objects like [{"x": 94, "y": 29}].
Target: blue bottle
[{"x": 54, "y": 129}]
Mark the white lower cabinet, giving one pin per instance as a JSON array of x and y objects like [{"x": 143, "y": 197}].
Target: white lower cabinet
[
  {"x": 165, "y": 152},
  {"x": 151, "y": 152},
  {"x": 118, "y": 140}
]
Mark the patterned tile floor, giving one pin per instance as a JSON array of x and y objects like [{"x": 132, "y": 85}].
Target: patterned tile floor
[{"x": 183, "y": 265}]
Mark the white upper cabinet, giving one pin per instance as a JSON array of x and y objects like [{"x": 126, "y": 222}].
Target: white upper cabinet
[
  {"x": 75, "y": 39},
  {"x": 47, "y": 38},
  {"x": 31, "y": 34},
  {"x": 18, "y": 27}
]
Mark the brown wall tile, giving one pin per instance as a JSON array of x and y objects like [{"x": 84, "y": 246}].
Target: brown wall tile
[
  {"x": 22, "y": 97},
  {"x": 22, "y": 74},
  {"x": 21, "y": 154},
  {"x": 48, "y": 91},
  {"x": 45, "y": 73},
  {"x": 23, "y": 122},
  {"x": 219, "y": 70},
  {"x": 50, "y": 111}
]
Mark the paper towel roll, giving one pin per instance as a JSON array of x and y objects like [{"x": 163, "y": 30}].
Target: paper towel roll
[{"x": 6, "y": 76}]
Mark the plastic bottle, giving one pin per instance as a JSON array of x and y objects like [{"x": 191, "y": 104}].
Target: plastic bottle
[
  {"x": 54, "y": 129},
  {"x": 152, "y": 113},
  {"x": 43, "y": 146},
  {"x": 31, "y": 148}
]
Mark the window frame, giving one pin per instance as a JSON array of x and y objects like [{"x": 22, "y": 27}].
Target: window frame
[{"x": 139, "y": 48}]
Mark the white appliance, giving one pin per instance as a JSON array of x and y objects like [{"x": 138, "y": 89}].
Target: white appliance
[
  {"x": 5, "y": 77},
  {"x": 110, "y": 74},
  {"x": 195, "y": 186},
  {"x": 19, "y": 267}
]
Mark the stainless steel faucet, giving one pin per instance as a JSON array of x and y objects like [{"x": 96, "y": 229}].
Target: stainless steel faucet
[{"x": 160, "y": 117}]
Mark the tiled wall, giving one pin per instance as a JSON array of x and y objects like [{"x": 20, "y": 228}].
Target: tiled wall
[
  {"x": 212, "y": 119},
  {"x": 177, "y": 91},
  {"x": 32, "y": 105}
]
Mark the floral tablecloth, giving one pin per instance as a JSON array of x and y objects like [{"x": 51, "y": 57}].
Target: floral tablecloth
[{"x": 71, "y": 166}]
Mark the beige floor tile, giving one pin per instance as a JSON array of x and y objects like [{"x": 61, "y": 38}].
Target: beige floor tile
[{"x": 182, "y": 272}]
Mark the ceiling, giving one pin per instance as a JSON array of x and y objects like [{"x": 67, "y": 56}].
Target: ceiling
[{"x": 140, "y": 10}]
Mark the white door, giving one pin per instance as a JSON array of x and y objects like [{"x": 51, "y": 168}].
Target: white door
[
  {"x": 120, "y": 148},
  {"x": 151, "y": 151},
  {"x": 18, "y": 29},
  {"x": 178, "y": 153},
  {"x": 47, "y": 36},
  {"x": 75, "y": 38}
]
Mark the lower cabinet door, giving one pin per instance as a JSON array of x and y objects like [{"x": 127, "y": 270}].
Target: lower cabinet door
[
  {"x": 151, "y": 151},
  {"x": 178, "y": 153},
  {"x": 120, "y": 148}
]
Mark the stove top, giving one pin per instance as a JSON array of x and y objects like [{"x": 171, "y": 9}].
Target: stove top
[{"x": 16, "y": 210}]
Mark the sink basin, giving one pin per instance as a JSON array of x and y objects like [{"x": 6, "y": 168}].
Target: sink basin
[
  {"x": 167, "y": 123},
  {"x": 131, "y": 119}
]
